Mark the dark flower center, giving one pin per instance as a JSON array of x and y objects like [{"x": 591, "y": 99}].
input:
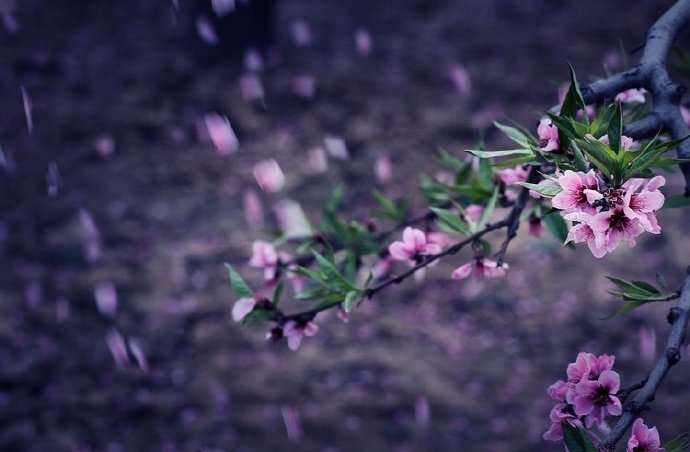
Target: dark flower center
[{"x": 601, "y": 396}]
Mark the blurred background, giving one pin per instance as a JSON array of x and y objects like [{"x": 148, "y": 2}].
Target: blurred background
[{"x": 117, "y": 211}]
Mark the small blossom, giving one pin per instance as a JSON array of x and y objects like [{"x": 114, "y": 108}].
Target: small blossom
[
  {"x": 513, "y": 176},
  {"x": 269, "y": 176},
  {"x": 414, "y": 244},
  {"x": 642, "y": 198},
  {"x": 253, "y": 209},
  {"x": 439, "y": 238},
  {"x": 580, "y": 191},
  {"x": 382, "y": 267},
  {"x": 582, "y": 232},
  {"x": 295, "y": 332},
  {"x": 264, "y": 256},
  {"x": 631, "y": 95},
  {"x": 613, "y": 226},
  {"x": 643, "y": 438},
  {"x": 626, "y": 142},
  {"x": 291, "y": 218},
  {"x": 548, "y": 135},
  {"x": 597, "y": 398},
  {"x": 482, "y": 268},
  {"x": 559, "y": 390},
  {"x": 560, "y": 413},
  {"x": 251, "y": 88},
  {"x": 242, "y": 308},
  {"x": 336, "y": 147},
  {"x": 318, "y": 161}
]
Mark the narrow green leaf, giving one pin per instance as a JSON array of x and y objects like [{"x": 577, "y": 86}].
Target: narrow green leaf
[
  {"x": 546, "y": 190},
  {"x": 557, "y": 226},
  {"x": 488, "y": 210},
  {"x": 490, "y": 154},
  {"x": 351, "y": 300},
  {"x": 451, "y": 220},
  {"x": 278, "y": 292},
  {"x": 238, "y": 285},
  {"x": 616, "y": 129},
  {"x": 576, "y": 439},
  {"x": 332, "y": 273},
  {"x": 516, "y": 135}
]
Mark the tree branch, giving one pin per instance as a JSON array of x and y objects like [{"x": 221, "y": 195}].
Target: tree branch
[{"x": 678, "y": 317}]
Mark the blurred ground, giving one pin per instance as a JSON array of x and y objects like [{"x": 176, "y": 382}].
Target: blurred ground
[{"x": 440, "y": 366}]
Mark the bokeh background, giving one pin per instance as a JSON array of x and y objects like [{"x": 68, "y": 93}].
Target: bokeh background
[{"x": 115, "y": 194}]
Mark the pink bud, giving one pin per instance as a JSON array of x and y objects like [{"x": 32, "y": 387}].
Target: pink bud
[
  {"x": 221, "y": 134},
  {"x": 383, "y": 169},
  {"x": 269, "y": 176}
]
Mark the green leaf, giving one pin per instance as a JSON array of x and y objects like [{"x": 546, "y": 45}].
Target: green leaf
[
  {"x": 351, "y": 300},
  {"x": 600, "y": 124},
  {"x": 573, "y": 101},
  {"x": 488, "y": 211},
  {"x": 680, "y": 443},
  {"x": 557, "y": 226},
  {"x": 388, "y": 207},
  {"x": 451, "y": 162},
  {"x": 576, "y": 439},
  {"x": 675, "y": 201},
  {"x": 616, "y": 129},
  {"x": 546, "y": 190},
  {"x": 331, "y": 273},
  {"x": 516, "y": 135},
  {"x": 450, "y": 220},
  {"x": 278, "y": 292},
  {"x": 490, "y": 154},
  {"x": 238, "y": 285}
]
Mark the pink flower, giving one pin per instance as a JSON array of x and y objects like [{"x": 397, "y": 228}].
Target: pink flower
[
  {"x": 461, "y": 79},
  {"x": 558, "y": 390},
  {"x": 242, "y": 308},
  {"x": 536, "y": 227},
  {"x": 580, "y": 191},
  {"x": 481, "y": 267},
  {"x": 264, "y": 256},
  {"x": 641, "y": 205},
  {"x": 294, "y": 332},
  {"x": 269, "y": 176},
  {"x": 253, "y": 210},
  {"x": 643, "y": 438},
  {"x": 631, "y": 95},
  {"x": 221, "y": 134},
  {"x": 626, "y": 142},
  {"x": 548, "y": 135},
  {"x": 560, "y": 413},
  {"x": 473, "y": 212},
  {"x": 363, "y": 42},
  {"x": 439, "y": 238},
  {"x": 414, "y": 244},
  {"x": 383, "y": 169},
  {"x": 513, "y": 176},
  {"x": 382, "y": 267},
  {"x": 597, "y": 398},
  {"x": 613, "y": 226}
]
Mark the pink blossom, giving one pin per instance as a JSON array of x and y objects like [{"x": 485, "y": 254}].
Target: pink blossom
[
  {"x": 513, "y": 176},
  {"x": 269, "y": 176},
  {"x": 383, "y": 169},
  {"x": 536, "y": 227},
  {"x": 560, "y": 413},
  {"x": 613, "y": 226},
  {"x": 221, "y": 134},
  {"x": 382, "y": 267},
  {"x": 626, "y": 142},
  {"x": 291, "y": 218},
  {"x": 461, "y": 79},
  {"x": 559, "y": 390},
  {"x": 242, "y": 308},
  {"x": 104, "y": 145},
  {"x": 643, "y": 438},
  {"x": 579, "y": 191},
  {"x": 294, "y": 332},
  {"x": 597, "y": 398},
  {"x": 363, "y": 42},
  {"x": 105, "y": 294},
  {"x": 482, "y": 268},
  {"x": 631, "y": 95},
  {"x": 439, "y": 238},
  {"x": 336, "y": 147},
  {"x": 414, "y": 244},
  {"x": 473, "y": 212},
  {"x": 642, "y": 198},
  {"x": 264, "y": 256},
  {"x": 548, "y": 135},
  {"x": 253, "y": 61}
]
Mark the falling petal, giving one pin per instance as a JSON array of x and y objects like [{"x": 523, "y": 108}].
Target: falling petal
[
  {"x": 53, "y": 179},
  {"x": 28, "y": 110},
  {"x": 292, "y": 220},
  {"x": 221, "y": 134},
  {"x": 336, "y": 147},
  {"x": 291, "y": 419},
  {"x": 206, "y": 31},
  {"x": 106, "y": 298},
  {"x": 301, "y": 33},
  {"x": 269, "y": 176}
]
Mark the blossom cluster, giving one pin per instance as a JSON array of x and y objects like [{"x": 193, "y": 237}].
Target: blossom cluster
[
  {"x": 586, "y": 397},
  {"x": 606, "y": 216}
]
